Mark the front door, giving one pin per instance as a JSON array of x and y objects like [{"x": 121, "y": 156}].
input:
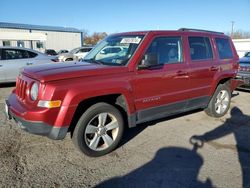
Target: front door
[
  {"x": 12, "y": 61},
  {"x": 162, "y": 89}
]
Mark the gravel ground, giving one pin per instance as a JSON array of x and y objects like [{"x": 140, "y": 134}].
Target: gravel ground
[{"x": 156, "y": 154}]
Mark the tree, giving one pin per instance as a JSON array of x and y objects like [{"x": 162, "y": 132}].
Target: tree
[
  {"x": 239, "y": 34},
  {"x": 94, "y": 38}
]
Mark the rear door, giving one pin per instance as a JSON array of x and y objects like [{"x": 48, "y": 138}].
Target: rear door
[
  {"x": 162, "y": 90},
  {"x": 203, "y": 68}
]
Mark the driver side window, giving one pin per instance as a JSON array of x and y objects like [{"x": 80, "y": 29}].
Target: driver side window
[{"x": 167, "y": 50}]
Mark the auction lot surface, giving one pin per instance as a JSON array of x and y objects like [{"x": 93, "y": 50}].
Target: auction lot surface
[{"x": 157, "y": 154}]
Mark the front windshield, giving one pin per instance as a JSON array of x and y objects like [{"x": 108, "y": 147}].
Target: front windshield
[
  {"x": 114, "y": 50},
  {"x": 74, "y": 50}
]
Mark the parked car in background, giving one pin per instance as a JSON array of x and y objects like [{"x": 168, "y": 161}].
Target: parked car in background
[
  {"x": 244, "y": 71},
  {"x": 50, "y": 52},
  {"x": 110, "y": 51},
  {"x": 162, "y": 73},
  {"x": 62, "y": 52},
  {"x": 75, "y": 54},
  {"x": 12, "y": 59}
]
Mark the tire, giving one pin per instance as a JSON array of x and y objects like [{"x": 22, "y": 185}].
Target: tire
[
  {"x": 99, "y": 130},
  {"x": 69, "y": 59},
  {"x": 220, "y": 101}
]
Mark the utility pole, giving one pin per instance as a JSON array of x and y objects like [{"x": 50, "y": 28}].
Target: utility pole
[{"x": 232, "y": 29}]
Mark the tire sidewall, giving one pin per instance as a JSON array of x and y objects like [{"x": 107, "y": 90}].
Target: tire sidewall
[
  {"x": 78, "y": 134},
  {"x": 218, "y": 90}
]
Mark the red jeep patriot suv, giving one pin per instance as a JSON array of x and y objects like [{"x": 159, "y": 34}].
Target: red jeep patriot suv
[{"x": 128, "y": 78}]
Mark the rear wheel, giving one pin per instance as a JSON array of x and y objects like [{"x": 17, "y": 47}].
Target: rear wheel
[
  {"x": 99, "y": 130},
  {"x": 220, "y": 102},
  {"x": 69, "y": 59}
]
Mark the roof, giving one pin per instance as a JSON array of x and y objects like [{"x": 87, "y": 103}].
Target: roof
[
  {"x": 181, "y": 30},
  {"x": 38, "y": 27}
]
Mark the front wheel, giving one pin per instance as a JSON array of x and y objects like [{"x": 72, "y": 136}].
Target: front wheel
[
  {"x": 220, "y": 102},
  {"x": 99, "y": 130}
]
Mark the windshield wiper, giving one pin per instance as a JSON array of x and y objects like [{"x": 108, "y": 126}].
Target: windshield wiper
[{"x": 92, "y": 60}]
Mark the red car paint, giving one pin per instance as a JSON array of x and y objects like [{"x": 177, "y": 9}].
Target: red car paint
[{"x": 73, "y": 83}]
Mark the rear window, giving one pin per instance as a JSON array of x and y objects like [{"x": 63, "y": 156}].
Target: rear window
[
  {"x": 224, "y": 48},
  {"x": 200, "y": 48}
]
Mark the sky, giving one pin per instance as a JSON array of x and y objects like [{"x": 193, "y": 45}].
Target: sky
[{"x": 113, "y": 16}]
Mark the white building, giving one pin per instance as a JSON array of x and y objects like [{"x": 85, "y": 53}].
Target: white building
[
  {"x": 40, "y": 37},
  {"x": 242, "y": 46}
]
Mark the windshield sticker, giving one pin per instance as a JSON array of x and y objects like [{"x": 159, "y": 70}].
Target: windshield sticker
[{"x": 131, "y": 40}]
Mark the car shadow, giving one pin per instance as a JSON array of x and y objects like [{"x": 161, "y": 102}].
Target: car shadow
[
  {"x": 243, "y": 90},
  {"x": 170, "y": 168},
  {"x": 238, "y": 125},
  {"x": 6, "y": 85},
  {"x": 131, "y": 133}
]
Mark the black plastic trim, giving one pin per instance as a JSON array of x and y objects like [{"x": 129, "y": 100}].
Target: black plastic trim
[
  {"x": 172, "y": 109},
  {"x": 40, "y": 128}
]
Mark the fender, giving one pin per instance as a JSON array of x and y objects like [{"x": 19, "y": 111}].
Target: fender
[
  {"x": 74, "y": 97},
  {"x": 218, "y": 78}
]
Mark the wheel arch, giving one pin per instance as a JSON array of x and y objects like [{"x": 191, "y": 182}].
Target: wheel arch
[
  {"x": 224, "y": 80},
  {"x": 117, "y": 99}
]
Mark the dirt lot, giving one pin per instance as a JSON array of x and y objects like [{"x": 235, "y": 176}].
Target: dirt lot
[{"x": 157, "y": 154}]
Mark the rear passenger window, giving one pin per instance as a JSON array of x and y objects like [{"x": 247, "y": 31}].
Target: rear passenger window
[
  {"x": 224, "y": 48},
  {"x": 32, "y": 54},
  {"x": 200, "y": 48},
  {"x": 9, "y": 54},
  {"x": 167, "y": 49}
]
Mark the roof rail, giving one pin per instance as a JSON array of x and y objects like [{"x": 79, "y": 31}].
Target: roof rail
[{"x": 199, "y": 30}]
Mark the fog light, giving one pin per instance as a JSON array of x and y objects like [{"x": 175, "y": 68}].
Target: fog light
[{"x": 49, "y": 104}]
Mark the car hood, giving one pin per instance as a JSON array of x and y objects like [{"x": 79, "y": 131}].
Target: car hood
[{"x": 61, "y": 71}]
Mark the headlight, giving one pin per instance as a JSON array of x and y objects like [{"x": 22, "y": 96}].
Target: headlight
[{"x": 34, "y": 91}]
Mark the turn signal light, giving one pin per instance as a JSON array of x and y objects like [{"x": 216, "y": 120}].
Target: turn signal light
[{"x": 49, "y": 104}]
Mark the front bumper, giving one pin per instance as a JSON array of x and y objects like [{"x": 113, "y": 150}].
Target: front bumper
[
  {"x": 35, "y": 127},
  {"x": 246, "y": 81}
]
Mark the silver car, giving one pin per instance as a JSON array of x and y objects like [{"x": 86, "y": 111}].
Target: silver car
[
  {"x": 75, "y": 54},
  {"x": 12, "y": 59}
]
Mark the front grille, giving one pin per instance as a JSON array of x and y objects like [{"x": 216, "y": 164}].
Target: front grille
[{"x": 21, "y": 87}]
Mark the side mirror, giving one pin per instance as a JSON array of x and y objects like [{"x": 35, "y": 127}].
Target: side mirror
[{"x": 149, "y": 60}]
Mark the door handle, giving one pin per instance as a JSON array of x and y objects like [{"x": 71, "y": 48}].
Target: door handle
[
  {"x": 1, "y": 65},
  {"x": 29, "y": 63},
  {"x": 214, "y": 68},
  {"x": 181, "y": 74}
]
